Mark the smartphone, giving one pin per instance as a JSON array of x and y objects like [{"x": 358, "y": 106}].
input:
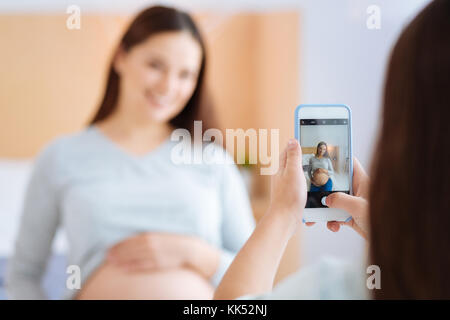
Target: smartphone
[{"x": 325, "y": 136}]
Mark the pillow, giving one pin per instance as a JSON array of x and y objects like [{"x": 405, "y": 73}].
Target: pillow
[{"x": 306, "y": 157}]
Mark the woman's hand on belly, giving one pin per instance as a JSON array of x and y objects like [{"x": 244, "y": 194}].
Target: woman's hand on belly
[
  {"x": 152, "y": 251},
  {"x": 155, "y": 266},
  {"x": 149, "y": 251},
  {"x": 320, "y": 178},
  {"x": 322, "y": 170}
]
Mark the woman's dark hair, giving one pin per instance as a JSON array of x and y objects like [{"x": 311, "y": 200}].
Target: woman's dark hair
[
  {"x": 147, "y": 23},
  {"x": 409, "y": 194},
  {"x": 322, "y": 143}
]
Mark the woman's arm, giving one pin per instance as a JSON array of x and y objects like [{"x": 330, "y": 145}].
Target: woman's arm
[
  {"x": 254, "y": 268},
  {"x": 330, "y": 168},
  {"x": 38, "y": 225}
]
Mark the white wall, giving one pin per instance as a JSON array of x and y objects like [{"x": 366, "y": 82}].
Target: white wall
[{"x": 342, "y": 62}]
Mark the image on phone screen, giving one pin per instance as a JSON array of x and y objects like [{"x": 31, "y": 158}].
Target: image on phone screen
[{"x": 326, "y": 158}]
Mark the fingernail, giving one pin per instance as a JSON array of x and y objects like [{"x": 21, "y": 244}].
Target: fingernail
[{"x": 291, "y": 143}]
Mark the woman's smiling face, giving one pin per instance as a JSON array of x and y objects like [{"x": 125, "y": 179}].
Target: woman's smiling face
[
  {"x": 159, "y": 76},
  {"x": 322, "y": 150}
]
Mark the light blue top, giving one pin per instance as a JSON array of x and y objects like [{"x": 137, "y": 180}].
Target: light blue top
[
  {"x": 101, "y": 195},
  {"x": 323, "y": 163},
  {"x": 327, "y": 279}
]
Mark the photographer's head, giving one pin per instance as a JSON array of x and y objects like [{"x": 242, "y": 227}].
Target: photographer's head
[
  {"x": 409, "y": 197},
  {"x": 157, "y": 72}
]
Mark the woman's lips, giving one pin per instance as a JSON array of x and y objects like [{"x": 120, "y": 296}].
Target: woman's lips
[{"x": 156, "y": 102}]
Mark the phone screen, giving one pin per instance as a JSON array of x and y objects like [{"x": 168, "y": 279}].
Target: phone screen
[{"x": 326, "y": 158}]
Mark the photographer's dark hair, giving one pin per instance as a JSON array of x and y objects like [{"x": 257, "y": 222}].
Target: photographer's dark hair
[
  {"x": 147, "y": 23},
  {"x": 409, "y": 194}
]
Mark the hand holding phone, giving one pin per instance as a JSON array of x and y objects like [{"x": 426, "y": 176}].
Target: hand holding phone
[
  {"x": 356, "y": 205},
  {"x": 324, "y": 133},
  {"x": 288, "y": 186}
]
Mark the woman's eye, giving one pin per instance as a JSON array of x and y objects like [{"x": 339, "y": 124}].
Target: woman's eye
[
  {"x": 155, "y": 65},
  {"x": 185, "y": 75}
]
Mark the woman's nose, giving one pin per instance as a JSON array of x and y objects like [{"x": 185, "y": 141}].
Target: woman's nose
[{"x": 166, "y": 84}]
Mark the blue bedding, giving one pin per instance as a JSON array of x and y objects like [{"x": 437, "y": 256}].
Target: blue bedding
[{"x": 54, "y": 279}]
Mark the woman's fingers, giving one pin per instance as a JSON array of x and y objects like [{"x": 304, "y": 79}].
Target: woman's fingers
[
  {"x": 356, "y": 206},
  {"x": 120, "y": 251},
  {"x": 360, "y": 180},
  {"x": 127, "y": 250},
  {"x": 333, "y": 226},
  {"x": 283, "y": 159},
  {"x": 293, "y": 156},
  {"x": 139, "y": 266},
  {"x": 124, "y": 257}
]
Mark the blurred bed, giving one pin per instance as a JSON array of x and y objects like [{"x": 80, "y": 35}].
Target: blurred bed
[{"x": 14, "y": 175}]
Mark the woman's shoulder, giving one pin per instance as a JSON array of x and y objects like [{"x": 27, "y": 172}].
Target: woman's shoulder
[{"x": 63, "y": 147}]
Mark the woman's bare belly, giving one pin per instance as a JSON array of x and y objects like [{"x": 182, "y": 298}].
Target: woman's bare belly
[{"x": 112, "y": 282}]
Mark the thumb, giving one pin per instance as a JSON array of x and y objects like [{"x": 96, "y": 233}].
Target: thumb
[
  {"x": 293, "y": 156},
  {"x": 354, "y": 205}
]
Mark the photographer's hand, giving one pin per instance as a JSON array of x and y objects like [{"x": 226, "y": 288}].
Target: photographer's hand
[
  {"x": 254, "y": 268},
  {"x": 356, "y": 205}
]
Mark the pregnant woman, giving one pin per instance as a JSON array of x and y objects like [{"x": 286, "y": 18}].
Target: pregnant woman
[
  {"x": 138, "y": 225},
  {"x": 321, "y": 169}
]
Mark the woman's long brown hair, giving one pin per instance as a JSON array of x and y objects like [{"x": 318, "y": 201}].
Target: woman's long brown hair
[
  {"x": 147, "y": 23},
  {"x": 410, "y": 190}
]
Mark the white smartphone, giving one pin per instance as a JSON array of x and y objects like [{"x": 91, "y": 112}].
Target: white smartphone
[{"x": 325, "y": 136}]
